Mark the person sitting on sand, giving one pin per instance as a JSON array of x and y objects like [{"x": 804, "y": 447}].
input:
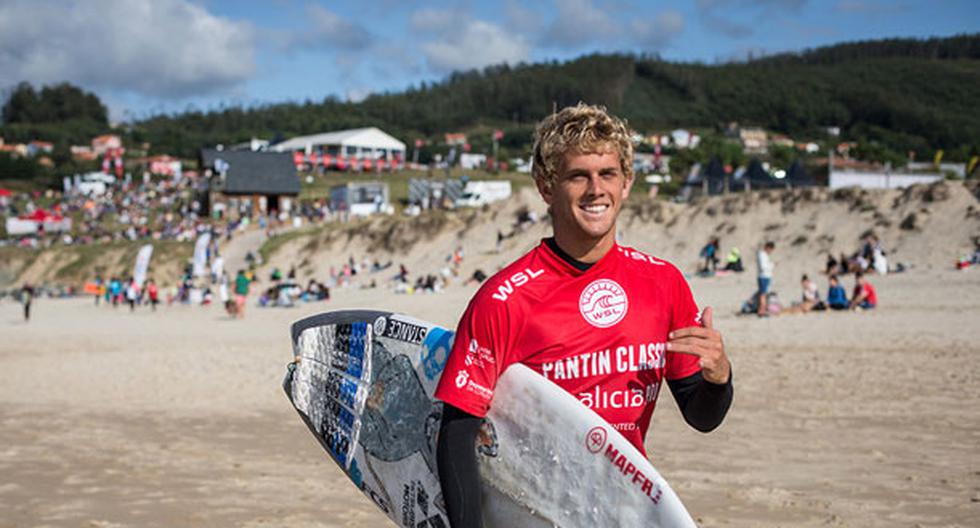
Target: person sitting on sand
[
  {"x": 864, "y": 296},
  {"x": 832, "y": 265},
  {"x": 710, "y": 255},
  {"x": 836, "y": 296},
  {"x": 733, "y": 262},
  {"x": 810, "y": 301}
]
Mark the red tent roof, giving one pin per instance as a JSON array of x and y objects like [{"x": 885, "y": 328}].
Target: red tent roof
[{"x": 40, "y": 215}]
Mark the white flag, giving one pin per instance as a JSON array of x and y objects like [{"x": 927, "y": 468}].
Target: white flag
[
  {"x": 142, "y": 264},
  {"x": 201, "y": 254}
]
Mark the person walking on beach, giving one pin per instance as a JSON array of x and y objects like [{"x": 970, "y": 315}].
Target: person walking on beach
[
  {"x": 579, "y": 294},
  {"x": 153, "y": 294},
  {"x": 26, "y": 298},
  {"x": 99, "y": 288},
  {"x": 241, "y": 293},
  {"x": 764, "y": 261},
  {"x": 132, "y": 293},
  {"x": 115, "y": 290}
]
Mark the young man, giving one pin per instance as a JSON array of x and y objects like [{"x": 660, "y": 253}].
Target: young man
[
  {"x": 574, "y": 307},
  {"x": 764, "y": 261},
  {"x": 836, "y": 296},
  {"x": 865, "y": 297}
]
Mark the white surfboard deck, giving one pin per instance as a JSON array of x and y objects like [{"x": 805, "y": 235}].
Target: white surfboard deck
[{"x": 363, "y": 383}]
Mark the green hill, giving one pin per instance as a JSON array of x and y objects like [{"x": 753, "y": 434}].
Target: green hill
[{"x": 901, "y": 93}]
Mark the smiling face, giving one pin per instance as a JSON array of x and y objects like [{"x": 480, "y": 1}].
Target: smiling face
[{"x": 585, "y": 200}]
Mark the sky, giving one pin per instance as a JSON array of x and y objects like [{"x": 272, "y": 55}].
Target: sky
[{"x": 145, "y": 57}]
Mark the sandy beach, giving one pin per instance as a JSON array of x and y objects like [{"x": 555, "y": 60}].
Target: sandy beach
[{"x": 176, "y": 418}]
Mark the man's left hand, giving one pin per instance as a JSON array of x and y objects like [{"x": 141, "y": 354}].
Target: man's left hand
[{"x": 706, "y": 343}]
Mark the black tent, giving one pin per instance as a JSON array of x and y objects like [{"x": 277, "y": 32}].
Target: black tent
[
  {"x": 797, "y": 176},
  {"x": 712, "y": 177},
  {"x": 757, "y": 178}
]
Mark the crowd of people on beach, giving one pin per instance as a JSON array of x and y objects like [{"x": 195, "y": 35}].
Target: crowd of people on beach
[
  {"x": 151, "y": 209},
  {"x": 870, "y": 259},
  {"x": 167, "y": 209}
]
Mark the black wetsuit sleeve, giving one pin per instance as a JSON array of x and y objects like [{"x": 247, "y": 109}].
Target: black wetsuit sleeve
[
  {"x": 459, "y": 474},
  {"x": 703, "y": 404}
]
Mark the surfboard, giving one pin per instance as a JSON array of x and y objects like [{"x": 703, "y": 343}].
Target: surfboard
[{"x": 362, "y": 381}]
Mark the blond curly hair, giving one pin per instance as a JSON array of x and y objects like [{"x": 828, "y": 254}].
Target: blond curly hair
[{"x": 586, "y": 129}]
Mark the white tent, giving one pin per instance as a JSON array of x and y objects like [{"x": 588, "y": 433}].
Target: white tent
[{"x": 371, "y": 143}]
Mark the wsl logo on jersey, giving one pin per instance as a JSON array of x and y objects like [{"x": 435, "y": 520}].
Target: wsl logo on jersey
[{"x": 603, "y": 303}]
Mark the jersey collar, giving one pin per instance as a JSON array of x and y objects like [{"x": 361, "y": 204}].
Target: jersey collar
[{"x": 559, "y": 261}]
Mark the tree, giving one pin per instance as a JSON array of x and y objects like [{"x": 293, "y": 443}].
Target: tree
[{"x": 54, "y": 104}]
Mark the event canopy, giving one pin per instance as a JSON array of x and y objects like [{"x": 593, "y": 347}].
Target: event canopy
[{"x": 357, "y": 140}]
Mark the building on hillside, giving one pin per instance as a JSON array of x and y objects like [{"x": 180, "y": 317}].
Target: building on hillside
[
  {"x": 662, "y": 140},
  {"x": 855, "y": 173},
  {"x": 780, "y": 140},
  {"x": 102, "y": 144},
  {"x": 15, "y": 150},
  {"x": 754, "y": 140},
  {"x": 455, "y": 139},
  {"x": 250, "y": 182},
  {"x": 164, "y": 165},
  {"x": 82, "y": 153},
  {"x": 879, "y": 179},
  {"x": 683, "y": 139},
  {"x": 469, "y": 161},
  {"x": 360, "y": 199},
  {"x": 360, "y": 149},
  {"x": 959, "y": 169},
  {"x": 38, "y": 147}
]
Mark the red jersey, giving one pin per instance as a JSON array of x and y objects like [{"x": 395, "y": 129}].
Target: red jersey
[
  {"x": 600, "y": 334},
  {"x": 871, "y": 294}
]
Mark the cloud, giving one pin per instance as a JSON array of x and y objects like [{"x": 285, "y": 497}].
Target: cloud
[
  {"x": 578, "y": 23},
  {"x": 160, "y": 48},
  {"x": 521, "y": 19},
  {"x": 657, "y": 33},
  {"x": 458, "y": 42},
  {"x": 870, "y": 7},
  {"x": 332, "y": 31},
  {"x": 431, "y": 20},
  {"x": 738, "y": 18}
]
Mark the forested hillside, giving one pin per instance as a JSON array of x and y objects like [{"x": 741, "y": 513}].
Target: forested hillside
[{"x": 905, "y": 94}]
